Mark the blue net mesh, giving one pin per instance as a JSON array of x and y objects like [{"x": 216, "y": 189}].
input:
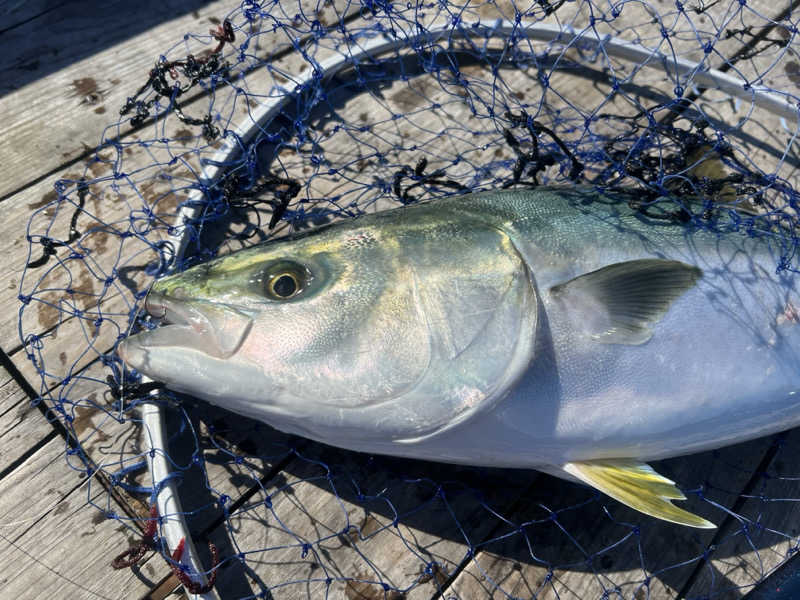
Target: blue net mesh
[{"x": 427, "y": 100}]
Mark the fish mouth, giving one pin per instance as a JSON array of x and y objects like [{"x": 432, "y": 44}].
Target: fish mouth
[
  {"x": 169, "y": 311},
  {"x": 216, "y": 330}
]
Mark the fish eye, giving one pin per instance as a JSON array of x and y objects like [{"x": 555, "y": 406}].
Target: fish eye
[
  {"x": 284, "y": 285},
  {"x": 284, "y": 280}
]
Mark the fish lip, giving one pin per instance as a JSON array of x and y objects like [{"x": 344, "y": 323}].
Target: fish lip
[
  {"x": 159, "y": 306},
  {"x": 213, "y": 329},
  {"x": 175, "y": 313}
]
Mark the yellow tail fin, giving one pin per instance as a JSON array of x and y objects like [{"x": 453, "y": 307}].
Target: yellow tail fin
[{"x": 638, "y": 486}]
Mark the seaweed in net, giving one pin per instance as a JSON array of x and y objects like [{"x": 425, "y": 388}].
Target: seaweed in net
[{"x": 474, "y": 98}]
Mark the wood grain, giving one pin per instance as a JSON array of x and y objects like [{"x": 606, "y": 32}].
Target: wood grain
[
  {"x": 22, "y": 425},
  {"x": 356, "y": 524},
  {"x": 16, "y": 13},
  {"x": 568, "y": 559},
  {"x": 60, "y": 118},
  {"x": 45, "y": 517},
  {"x": 749, "y": 548}
]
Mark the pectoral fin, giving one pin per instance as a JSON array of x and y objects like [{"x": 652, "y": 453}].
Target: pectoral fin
[
  {"x": 638, "y": 486},
  {"x": 618, "y": 303}
]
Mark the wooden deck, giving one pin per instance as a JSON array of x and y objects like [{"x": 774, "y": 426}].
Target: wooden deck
[{"x": 66, "y": 69}]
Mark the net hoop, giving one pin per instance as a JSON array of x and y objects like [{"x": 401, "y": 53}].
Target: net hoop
[{"x": 173, "y": 524}]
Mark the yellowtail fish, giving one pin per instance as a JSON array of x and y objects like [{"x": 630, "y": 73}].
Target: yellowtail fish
[{"x": 557, "y": 329}]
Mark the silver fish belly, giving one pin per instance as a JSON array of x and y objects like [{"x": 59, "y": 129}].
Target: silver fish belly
[{"x": 554, "y": 328}]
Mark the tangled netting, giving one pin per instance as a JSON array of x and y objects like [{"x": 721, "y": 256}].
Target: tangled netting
[{"x": 246, "y": 133}]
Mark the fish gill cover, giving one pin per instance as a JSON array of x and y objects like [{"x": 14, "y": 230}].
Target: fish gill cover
[{"x": 463, "y": 96}]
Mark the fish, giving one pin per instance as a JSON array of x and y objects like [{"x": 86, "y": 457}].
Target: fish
[{"x": 557, "y": 328}]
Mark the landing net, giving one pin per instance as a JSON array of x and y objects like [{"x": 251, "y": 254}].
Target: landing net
[{"x": 325, "y": 111}]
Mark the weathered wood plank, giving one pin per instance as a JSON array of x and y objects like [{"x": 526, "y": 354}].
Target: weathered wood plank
[
  {"x": 84, "y": 95},
  {"x": 725, "y": 27},
  {"x": 45, "y": 37},
  {"x": 114, "y": 446},
  {"x": 563, "y": 558},
  {"x": 16, "y": 13},
  {"x": 362, "y": 525},
  {"x": 750, "y": 548},
  {"x": 21, "y": 424},
  {"x": 45, "y": 515},
  {"x": 38, "y": 474},
  {"x": 101, "y": 251},
  {"x": 80, "y": 93},
  {"x": 52, "y": 475},
  {"x": 110, "y": 441}
]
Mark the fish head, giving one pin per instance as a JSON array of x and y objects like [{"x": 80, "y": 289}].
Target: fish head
[{"x": 383, "y": 328}]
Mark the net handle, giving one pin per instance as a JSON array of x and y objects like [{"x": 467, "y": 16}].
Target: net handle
[{"x": 173, "y": 523}]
